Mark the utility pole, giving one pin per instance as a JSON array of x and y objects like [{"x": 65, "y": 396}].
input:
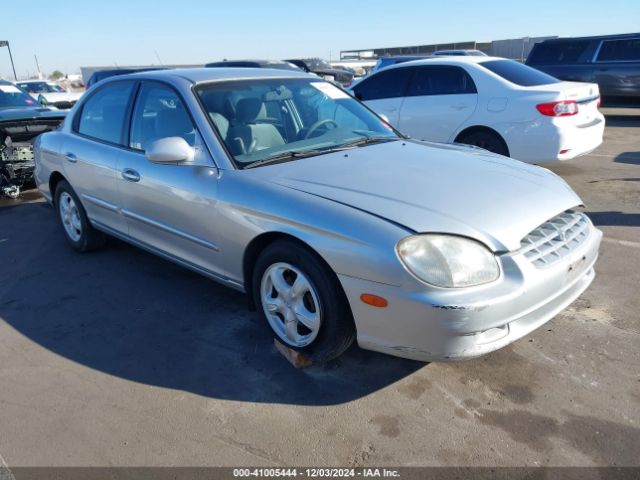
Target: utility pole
[
  {"x": 5, "y": 43},
  {"x": 38, "y": 67}
]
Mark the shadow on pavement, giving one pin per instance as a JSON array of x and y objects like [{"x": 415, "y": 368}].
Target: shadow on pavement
[
  {"x": 130, "y": 314},
  {"x": 632, "y": 158},
  {"x": 615, "y": 219}
]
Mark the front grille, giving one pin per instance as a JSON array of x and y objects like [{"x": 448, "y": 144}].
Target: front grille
[{"x": 555, "y": 239}]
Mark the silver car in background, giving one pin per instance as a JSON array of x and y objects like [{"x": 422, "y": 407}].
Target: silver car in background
[{"x": 281, "y": 185}]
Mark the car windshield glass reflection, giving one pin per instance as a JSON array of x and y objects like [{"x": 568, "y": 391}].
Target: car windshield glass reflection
[
  {"x": 12, "y": 96},
  {"x": 271, "y": 120}
]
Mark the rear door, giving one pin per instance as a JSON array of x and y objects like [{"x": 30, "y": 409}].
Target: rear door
[
  {"x": 171, "y": 208},
  {"x": 440, "y": 98},
  {"x": 384, "y": 92},
  {"x": 92, "y": 151},
  {"x": 617, "y": 69}
]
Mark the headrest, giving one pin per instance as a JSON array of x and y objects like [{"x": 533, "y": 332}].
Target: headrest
[{"x": 248, "y": 109}]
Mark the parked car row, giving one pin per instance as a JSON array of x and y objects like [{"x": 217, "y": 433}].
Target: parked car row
[
  {"x": 336, "y": 226},
  {"x": 53, "y": 94}
]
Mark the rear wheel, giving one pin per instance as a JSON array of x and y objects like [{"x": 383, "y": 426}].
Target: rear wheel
[
  {"x": 302, "y": 301},
  {"x": 73, "y": 218},
  {"x": 487, "y": 140}
]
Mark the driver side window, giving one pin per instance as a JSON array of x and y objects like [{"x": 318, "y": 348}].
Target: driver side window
[{"x": 159, "y": 113}]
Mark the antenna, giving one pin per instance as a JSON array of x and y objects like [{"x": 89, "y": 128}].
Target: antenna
[{"x": 158, "y": 57}]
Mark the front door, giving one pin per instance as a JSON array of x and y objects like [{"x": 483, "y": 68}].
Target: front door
[
  {"x": 383, "y": 92},
  {"x": 170, "y": 208},
  {"x": 439, "y": 100}
]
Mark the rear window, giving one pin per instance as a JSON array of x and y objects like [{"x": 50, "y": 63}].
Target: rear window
[
  {"x": 620, "y": 50},
  {"x": 557, "y": 53},
  {"x": 518, "y": 73}
]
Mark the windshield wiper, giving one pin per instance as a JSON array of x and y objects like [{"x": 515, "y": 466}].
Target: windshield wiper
[
  {"x": 296, "y": 154},
  {"x": 284, "y": 156},
  {"x": 367, "y": 141}
]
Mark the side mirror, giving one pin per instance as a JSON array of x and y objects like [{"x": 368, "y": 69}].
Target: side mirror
[
  {"x": 42, "y": 101},
  {"x": 170, "y": 151}
]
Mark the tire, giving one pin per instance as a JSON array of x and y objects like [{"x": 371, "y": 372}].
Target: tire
[
  {"x": 76, "y": 227},
  {"x": 317, "y": 294},
  {"x": 487, "y": 140}
]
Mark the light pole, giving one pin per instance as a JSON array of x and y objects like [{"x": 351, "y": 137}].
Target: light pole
[{"x": 5, "y": 43}]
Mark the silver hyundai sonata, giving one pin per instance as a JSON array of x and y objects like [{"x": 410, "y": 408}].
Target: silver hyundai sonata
[{"x": 337, "y": 227}]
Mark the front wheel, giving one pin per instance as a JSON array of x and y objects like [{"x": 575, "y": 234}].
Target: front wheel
[{"x": 302, "y": 301}]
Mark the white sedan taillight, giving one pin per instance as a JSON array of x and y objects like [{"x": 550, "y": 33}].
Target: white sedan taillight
[{"x": 563, "y": 108}]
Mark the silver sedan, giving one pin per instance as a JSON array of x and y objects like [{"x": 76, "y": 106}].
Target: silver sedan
[{"x": 336, "y": 226}]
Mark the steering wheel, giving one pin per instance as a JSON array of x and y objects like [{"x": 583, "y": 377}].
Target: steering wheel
[{"x": 318, "y": 124}]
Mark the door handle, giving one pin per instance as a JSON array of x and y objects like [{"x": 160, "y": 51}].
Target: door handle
[
  {"x": 71, "y": 157},
  {"x": 130, "y": 175},
  {"x": 459, "y": 107}
]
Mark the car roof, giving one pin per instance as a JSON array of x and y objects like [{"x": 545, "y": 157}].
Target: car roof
[
  {"x": 34, "y": 81},
  {"x": 444, "y": 60},
  {"x": 198, "y": 75},
  {"x": 251, "y": 60},
  {"x": 619, "y": 36}
]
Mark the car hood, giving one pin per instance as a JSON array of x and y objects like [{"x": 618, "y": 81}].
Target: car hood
[
  {"x": 29, "y": 113},
  {"x": 434, "y": 188}
]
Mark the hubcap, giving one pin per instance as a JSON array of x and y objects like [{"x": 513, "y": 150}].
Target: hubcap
[
  {"x": 70, "y": 216},
  {"x": 290, "y": 303}
]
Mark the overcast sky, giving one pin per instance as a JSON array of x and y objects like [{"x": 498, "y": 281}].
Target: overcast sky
[{"x": 67, "y": 34}]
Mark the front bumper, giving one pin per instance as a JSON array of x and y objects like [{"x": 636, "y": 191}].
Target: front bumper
[{"x": 430, "y": 324}]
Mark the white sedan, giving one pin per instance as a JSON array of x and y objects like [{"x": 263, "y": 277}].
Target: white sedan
[
  {"x": 54, "y": 94},
  {"x": 497, "y": 104}
]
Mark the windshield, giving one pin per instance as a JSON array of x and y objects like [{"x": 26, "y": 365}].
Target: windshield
[
  {"x": 12, "y": 96},
  {"x": 285, "y": 119},
  {"x": 40, "y": 87}
]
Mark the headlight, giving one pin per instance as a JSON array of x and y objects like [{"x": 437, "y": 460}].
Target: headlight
[{"x": 448, "y": 260}]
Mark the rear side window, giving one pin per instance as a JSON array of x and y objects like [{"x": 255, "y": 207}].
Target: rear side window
[
  {"x": 159, "y": 113},
  {"x": 103, "y": 115},
  {"x": 518, "y": 73},
  {"x": 557, "y": 53},
  {"x": 386, "y": 84},
  {"x": 440, "y": 80},
  {"x": 620, "y": 50}
]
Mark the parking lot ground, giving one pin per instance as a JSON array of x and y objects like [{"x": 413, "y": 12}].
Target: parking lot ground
[{"x": 120, "y": 358}]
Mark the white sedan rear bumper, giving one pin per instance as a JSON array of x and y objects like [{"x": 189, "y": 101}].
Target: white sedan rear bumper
[{"x": 552, "y": 139}]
